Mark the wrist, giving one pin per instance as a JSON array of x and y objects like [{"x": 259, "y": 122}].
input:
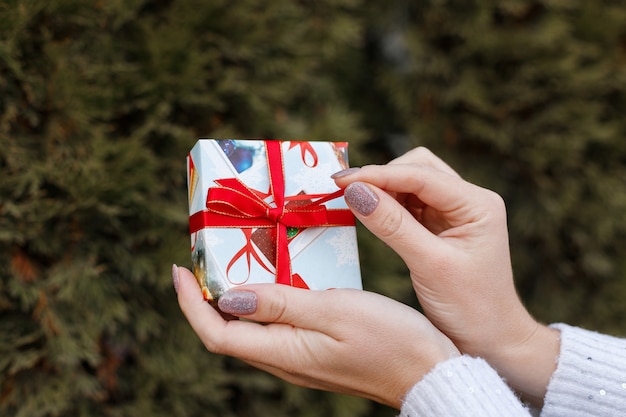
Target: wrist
[
  {"x": 528, "y": 363},
  {"x": 424, "y": 359}
]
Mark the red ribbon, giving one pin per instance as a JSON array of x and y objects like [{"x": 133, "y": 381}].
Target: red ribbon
[
  {"x": 304, "y": 148},
  {"x": 247, "y": 250},
  {"x": 233, "y": 204}
]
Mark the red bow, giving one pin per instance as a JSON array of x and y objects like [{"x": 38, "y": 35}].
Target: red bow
[{"x": 233, "y": 204}]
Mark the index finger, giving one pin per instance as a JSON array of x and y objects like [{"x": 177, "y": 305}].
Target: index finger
[
  {"x": 422, "y": 155},
  {"x": 447, "y": 193}
]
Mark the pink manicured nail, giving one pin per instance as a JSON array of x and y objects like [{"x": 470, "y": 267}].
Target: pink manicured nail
[
  {"x": 175, "y": 277},
  {"x": 238, "y": 302},
  {"x": 361, "y": 198},
  {"x": 344, "y": 172}
]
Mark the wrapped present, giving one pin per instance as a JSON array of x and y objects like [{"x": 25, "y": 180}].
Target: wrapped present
[{"x": 268, "y": 212}]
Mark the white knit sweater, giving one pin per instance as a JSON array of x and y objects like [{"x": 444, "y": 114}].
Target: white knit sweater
[{"x": 590, "y": 380}]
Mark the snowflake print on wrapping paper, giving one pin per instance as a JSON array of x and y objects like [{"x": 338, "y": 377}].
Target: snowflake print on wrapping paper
[
  {"x": 344, "y": 244},
  {"x": 316, "y": 181}
]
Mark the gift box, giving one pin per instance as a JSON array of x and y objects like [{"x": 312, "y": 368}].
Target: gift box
[{"x": 268, "y": 212}]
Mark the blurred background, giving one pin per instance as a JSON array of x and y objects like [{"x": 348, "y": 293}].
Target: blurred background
[{"x": 100, "y": 101}]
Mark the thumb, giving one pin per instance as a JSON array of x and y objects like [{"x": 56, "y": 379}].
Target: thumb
[
  {"x": 285, "y": 306},
  {"x": 275, "y": 303},
  {"x": 386, "y": 218}
]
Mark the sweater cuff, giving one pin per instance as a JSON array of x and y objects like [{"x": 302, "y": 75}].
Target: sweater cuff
[
  {"x": 590, "y": 378},
  {"x": 462, "y": 387}
]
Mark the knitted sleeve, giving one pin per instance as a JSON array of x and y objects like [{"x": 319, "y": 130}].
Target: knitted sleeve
[
  {"x": 462, "y": 387},
  {"x": 590, "y": 379}
]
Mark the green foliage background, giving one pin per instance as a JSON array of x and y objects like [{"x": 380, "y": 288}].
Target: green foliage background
[{"x": 100, "y": 102}]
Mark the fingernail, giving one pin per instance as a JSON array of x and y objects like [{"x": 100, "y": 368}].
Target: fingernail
[
  {"x": 175, "y": 277},
  {"x": 344, "y": 172},
  {"x": 361, "y": 198},
  {"x": 238, "y": 302}
]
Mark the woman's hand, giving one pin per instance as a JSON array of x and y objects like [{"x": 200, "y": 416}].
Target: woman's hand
[
  {"x": 341, "y": 340},
  {"x": 453, "y": 237}
]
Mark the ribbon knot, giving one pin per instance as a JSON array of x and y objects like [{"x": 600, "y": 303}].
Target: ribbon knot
[
  {"x": 233, "y": 204},
  {"x": 275, "y": 214}
]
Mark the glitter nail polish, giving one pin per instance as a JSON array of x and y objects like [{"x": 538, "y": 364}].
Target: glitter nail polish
[
  {"x": 175, "y": 277},
  {"x": 344, "y": 172},
  {"x": 361, "y": 198},
  {"x": 238, "y": 302}
]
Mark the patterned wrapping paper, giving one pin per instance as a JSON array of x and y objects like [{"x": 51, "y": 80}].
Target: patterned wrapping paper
[{"x": 245, "y": 228}]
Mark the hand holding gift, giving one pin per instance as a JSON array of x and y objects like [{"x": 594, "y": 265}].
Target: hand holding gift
[
  {"x": 342, "y": 340},
  {"x": 453, "y": 237}
]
